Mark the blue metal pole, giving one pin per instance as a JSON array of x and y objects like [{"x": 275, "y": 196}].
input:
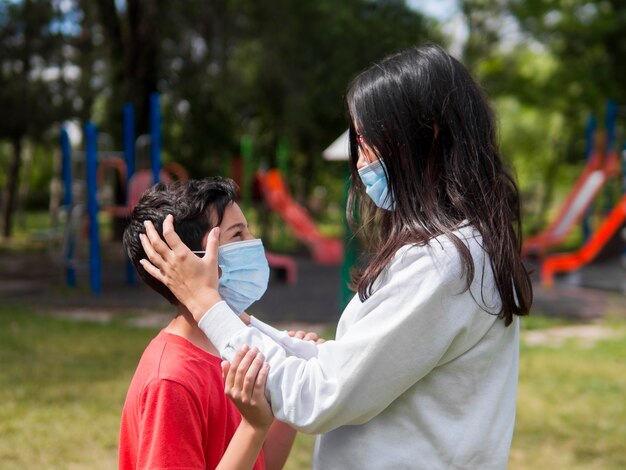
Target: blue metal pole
[
  {"x": 95, "y": 260},
  {"x": 609, "y": 124},
  {"x": 129, "y": 156},
  {"x": 155, "y": 136},
  {"x": 66, "y": 172},
  {"x": 624, "y": 169},
  {"x": 611, "y": 118},
  {"x": 589, "y": 137},
  {"x": 66, "y": 167},
  {"x": 589, "y": 149},
  {"x": 129, "y": 140}
]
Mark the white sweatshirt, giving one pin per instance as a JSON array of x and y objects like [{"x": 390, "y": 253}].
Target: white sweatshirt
[{"x": 420, "y": 375}]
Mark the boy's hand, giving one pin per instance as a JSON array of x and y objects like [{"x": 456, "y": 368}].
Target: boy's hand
[
  {"x": 307, "y": 336},
  {"x": 244, "y": 384}
]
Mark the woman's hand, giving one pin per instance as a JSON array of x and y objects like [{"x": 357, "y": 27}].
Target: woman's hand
[
  {"x": 306, "y": 336},
  {"x": 244, "y": 384},
  {"x": 193, "y": 280}
]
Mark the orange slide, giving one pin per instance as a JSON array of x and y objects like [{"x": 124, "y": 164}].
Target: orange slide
[
  {"x": 567, "y": 262},
  {"x": 592, "y": 180},
  {"x": 324, "y": 250}
]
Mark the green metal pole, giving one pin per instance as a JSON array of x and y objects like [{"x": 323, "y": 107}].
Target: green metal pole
[
  {"x": 248, "y": 171},
  {"x": 350, "y": 252},
  {"x": 282, "y": 156}
]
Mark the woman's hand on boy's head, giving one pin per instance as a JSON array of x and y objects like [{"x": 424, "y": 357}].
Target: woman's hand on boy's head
[
  {"x": 244, "y": 384},
  {"x": 193, "y": 280}
]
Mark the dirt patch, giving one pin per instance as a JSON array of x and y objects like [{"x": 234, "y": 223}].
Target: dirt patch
[
  {"x": 144, "y": 318},
  {"x": 158, "y": 319},
  {"x": 584, "y": 335}
]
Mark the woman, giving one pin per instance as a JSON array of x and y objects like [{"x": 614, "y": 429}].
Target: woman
[{"x": 423, "y": 371}]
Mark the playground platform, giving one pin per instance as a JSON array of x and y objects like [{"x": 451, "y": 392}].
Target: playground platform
[
  {"x": 33, "y": 279},
  {"x": 36, "y": 280},
  {"x": 608, "y": 276}
]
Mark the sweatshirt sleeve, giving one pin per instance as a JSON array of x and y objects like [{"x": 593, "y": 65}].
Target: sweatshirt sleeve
[
  {"x": 418, "y": 316},
  {"x": 293, "y": 346}
]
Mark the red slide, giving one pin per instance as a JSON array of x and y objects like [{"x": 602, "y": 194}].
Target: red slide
[
  {"x": 580, "y": 198},
  {"x": 324, "y": 250},
  {"x": 567, "y": 262}
]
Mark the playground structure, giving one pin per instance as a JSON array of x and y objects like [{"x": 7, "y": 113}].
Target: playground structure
[
  {"x": 84, "y": 200},
  {"x": 81, "y": 198},
  {"x": 611, "y": 233},
  {"x": 603, "y": 164},
  {"x": 599, "y": 170},
  {"x": 324, "y": 250},
  {"x": 609, "y": 240},
  {"x": 275, "y": 195}
]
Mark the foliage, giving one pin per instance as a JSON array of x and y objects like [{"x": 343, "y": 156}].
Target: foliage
[
  {"x": 32, "y": 91},
  {"x": 274, "y": 70},
  {"x": 531, "y": 141},
  {"x": 587, "y": 38},
  {"x": 29, "y": 51},
  {"x": 583, "y": 39},
  {"x": 548, "y": 64},
  {"x": 278, "y": 70},
  {"x": 224, "y": 68}
]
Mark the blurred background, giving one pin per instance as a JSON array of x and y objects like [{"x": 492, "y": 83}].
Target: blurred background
[{"x": 101, "y": 98}]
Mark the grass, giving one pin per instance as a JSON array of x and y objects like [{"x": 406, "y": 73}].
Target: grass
[
  {"x": 62, "y": 385},
  {"x": 62, "y": 388},
  {"x": 571, "y": 404}
]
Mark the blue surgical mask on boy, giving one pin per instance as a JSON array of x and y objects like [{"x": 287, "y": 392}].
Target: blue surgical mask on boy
[
  {"x": 376, "y": 186},
  {"x": 245, "y": 273}
]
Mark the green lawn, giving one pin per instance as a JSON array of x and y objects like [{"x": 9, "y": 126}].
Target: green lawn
[{"x": 62, "y": 386}]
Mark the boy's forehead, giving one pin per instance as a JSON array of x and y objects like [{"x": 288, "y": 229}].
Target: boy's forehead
[{"x": 233, "y": 215}]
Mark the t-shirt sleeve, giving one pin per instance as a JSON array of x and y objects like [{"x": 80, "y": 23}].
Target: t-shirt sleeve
[{"x": 170, "y": 428}]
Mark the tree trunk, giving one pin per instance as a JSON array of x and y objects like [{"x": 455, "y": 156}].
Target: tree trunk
[
  {"x": 12, "y": 186},
  {"x": 143, "y": 51}
]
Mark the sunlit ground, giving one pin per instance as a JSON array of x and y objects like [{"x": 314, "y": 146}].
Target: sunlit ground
[{"x": 62, "y": 385}]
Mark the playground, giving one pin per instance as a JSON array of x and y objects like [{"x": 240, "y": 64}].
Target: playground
[
  {"x": 310, "y": 286},
  {"x": 72, "y": 282},
  {"x": 103, "y": 101},
  {"x": 99, "y": 190},
  {"x": 570, "y": 344},
  {"x": 76, "y": 372}
]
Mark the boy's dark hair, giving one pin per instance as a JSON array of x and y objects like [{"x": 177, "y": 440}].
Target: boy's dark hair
[{"x": 197, "y": 207}]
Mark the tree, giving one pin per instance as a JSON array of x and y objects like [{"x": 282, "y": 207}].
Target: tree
[
  {"x": 559, "y": 61},
  {"x": 31, "y": 90},
  {"x": 132, "y": 30},
  {"x": 274, "y": 70}
]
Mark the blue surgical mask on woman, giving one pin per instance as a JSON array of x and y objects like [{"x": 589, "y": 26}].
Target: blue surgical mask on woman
[
  {"x": 374, "y": 178},
  {"x": 245, "y": 273}
]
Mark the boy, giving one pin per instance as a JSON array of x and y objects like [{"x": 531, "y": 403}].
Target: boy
[{"x": 176, "y": 414}]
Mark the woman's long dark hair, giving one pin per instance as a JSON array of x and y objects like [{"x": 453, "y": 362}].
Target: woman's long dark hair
[{"x": 423, "y": 114}]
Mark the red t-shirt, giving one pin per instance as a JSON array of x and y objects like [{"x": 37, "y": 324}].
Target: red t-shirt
[{"x": 176, "y": 414}]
